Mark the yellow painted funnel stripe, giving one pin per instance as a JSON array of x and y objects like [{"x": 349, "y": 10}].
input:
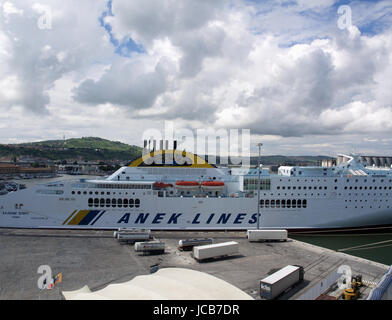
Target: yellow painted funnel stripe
[
  {"x": 196, "y": 161},
  {"x": 78, "y": 217},
  {"x": 69, "y": 217}
]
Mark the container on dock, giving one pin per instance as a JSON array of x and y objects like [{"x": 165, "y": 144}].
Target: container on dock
[
  {"x": 283, "y": 279},
  {"x": 188, "y": 244},
  {"x": 153, "y": 247},
  {"x": 132, "y": 235},
  {"x": 215, "y": 250},
  {"x": 267, "y": 235}
]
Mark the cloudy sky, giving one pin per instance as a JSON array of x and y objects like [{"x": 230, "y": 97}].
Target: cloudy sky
[{"x": 305, "y": 76}]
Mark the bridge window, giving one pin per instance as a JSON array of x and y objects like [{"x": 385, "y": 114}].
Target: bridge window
[
  {"x": 90, "y": 202},
  {"x": 251, "y": 184},
  {"x": 102, "y": 202},
  {"x": 119, "y": 203},
  {"x": 131, "y": 203},
  {"x": 137, "y": 203},
  {"x": 114, "y": 202},
  {"x": 96, "y": 202},
  {"x": 125, "y": 203},
  {"x": 107, "y": 202}
]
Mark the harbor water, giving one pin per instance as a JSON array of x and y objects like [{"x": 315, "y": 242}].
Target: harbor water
[{"x": 372, "y": 246}]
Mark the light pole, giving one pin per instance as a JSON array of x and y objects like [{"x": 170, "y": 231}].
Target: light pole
[{"x": 258, "y": 188}]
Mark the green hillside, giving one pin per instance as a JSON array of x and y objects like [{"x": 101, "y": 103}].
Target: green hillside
[
  {"x": 86, "y": 148},
  {"x": 82, "y": 143}
]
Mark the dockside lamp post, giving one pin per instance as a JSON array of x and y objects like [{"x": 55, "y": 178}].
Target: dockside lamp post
[{"x": 258, "y": 188}]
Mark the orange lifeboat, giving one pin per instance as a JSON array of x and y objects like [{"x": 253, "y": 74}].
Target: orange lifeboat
[
  {"x": 161, "y": 185},
  {"x": 213, "y": 185},
  {"x": 187, "y": 185}
]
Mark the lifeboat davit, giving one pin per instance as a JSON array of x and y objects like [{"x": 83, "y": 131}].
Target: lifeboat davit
[
  {"x": 187, "y": 185},
  {"x": 213, "y": 185},
  {"x": 161, "y": 185}
]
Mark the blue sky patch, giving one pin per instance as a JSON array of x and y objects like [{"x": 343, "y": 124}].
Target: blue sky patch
[{"x": 124, "y": 47}]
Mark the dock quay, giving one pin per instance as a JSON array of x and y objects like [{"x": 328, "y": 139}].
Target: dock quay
[{"x": 96, "y": 259}]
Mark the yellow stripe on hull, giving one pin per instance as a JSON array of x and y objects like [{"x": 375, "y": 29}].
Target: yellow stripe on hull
[
  {"x": 69, "y": 217},
  {"x": 79, "y": 217}
]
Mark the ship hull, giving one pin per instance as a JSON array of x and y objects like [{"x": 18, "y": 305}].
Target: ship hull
[{"x": 173, "y": 213}]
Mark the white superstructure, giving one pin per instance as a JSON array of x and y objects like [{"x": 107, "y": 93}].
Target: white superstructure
[{"x": 197, "y": 195}]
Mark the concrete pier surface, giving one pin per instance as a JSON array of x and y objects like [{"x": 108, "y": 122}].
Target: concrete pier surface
[{"x": 97, "y": 259}]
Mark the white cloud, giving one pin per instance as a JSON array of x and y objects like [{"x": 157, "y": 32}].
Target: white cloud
[
  {"x": 9, "y": 8},
  {"x": 282, "y": 69}
]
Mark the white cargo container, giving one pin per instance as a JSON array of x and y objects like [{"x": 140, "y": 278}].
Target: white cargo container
[
  {"x": 150, "y": 246},
  {"x": 215, "y": 250},
  {"x": 267, "y": 235},
  {"x": 278, "y": 282}
]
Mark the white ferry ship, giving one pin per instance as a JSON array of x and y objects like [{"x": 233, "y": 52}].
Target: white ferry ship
[{"x": 197, "y": 195}]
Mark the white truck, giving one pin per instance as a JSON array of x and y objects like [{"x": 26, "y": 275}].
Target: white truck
[
  {"x": 278, "y": 282},
  {"x": 267, "y": 235},
  {"x": 215, "y": 250}
]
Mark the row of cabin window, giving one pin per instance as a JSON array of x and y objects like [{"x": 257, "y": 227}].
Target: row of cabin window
[
  {"x": 283, "y": 203},
  {"x": 299, "y": 188},
  {"x": 120, "y": 203},
  {"x": 370, "y": 188},
  {"x": 336, "y": 180},
  {"x": 96, "y": 192},
  {"x": 325, "y": 188},
  {"x": 123, "y": 186}
]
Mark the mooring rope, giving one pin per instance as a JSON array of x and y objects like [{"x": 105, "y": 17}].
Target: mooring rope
[{"x": 367, "y": 246}]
